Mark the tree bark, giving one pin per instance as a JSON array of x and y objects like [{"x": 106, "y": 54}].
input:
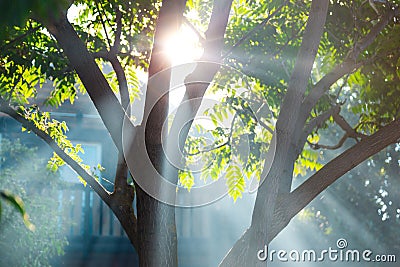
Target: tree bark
[
  {"x": 278, "y": 180},
  {"x": 157, "y": 238}
]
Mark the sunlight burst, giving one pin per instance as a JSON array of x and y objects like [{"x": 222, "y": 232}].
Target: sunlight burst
[{"x": 183, "y": 46}]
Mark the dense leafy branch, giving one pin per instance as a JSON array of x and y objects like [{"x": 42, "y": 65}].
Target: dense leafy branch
[
  {"x": 347, "y": 66},
  {"x": 20, "y": 37},
  {"x": 96, "y": 85},
  {"x": 259, "y": 26},
  {"x": 120, "y": 202}
]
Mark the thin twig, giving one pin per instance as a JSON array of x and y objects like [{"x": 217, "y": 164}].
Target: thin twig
[
  {"x": 118, "y": 18},
  {"x": 317, "y": 121},
  {"x": 347, "y": 127},
  {"x": 333, "y": 147},
  {"x": 341, "y": 87},
  {"x": 350, "y": 132},
  {"x": 103, "y": 23},
  {"x": 205, "y": 150}
]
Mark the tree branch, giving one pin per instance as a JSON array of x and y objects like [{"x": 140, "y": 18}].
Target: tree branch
[
  {"x": 209, "y": 149},
  {"x": 120, "y": 182},
  {"x": 348, "y": 65},
  {"x": 92, "y": 182},
  {"x": 228, "y": 142},
  {"x": 349, "y": 132},
  {"x": 157, "y": 99},
  {"x": 278, "y": 180},
  {"x": 121, "y": 206},
  {"x": 197, "y": 82},
  {"x": 318, "y": 121},
  {"x": 346, "y": 127},
  {"x": 103, "y": 23},
  {"x": 289, "y": 112},
  {"x": 332, "y": 171},
  {"x": 118, "y": 18},
  {"x": 338, "y": 145},
  {"x": 202, "y": 40},
  {"x": 96, "y": 85}
]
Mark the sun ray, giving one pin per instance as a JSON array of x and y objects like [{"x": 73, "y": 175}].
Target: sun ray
[{"x": 183, "y": 46}]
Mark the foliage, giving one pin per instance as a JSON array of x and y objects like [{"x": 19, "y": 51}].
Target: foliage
[
  {"x": 25, "y": 175},
  {"x": 267, "y": 57},
  {"x": 262, "y": 41}
]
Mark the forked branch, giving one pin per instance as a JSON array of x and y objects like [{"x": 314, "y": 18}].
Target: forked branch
[{"x": 332, "y": 171}]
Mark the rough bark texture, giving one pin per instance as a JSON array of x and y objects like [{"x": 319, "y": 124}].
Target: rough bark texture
[{"x": 156, "y": 237}]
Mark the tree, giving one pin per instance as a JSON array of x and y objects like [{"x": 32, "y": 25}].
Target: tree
[{"x": 304, "y": 61}]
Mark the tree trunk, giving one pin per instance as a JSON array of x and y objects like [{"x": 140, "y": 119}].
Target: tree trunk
[
  {"x": 157, "y": 241},
  {"x": 244, "y": 252},
  {"x": 156, "y": 235},
  {"x": 156, "y": 232}
]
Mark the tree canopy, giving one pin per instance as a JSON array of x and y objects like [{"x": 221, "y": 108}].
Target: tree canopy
[{"x": 279, "y": 72}]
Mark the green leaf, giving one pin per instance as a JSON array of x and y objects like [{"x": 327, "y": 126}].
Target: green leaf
[
  {"x": 18, "y": 204},
  {"x": 82, "y": 180},
  {"x": 186, "y": 179},
  {"x": 235, "y": 181}
]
